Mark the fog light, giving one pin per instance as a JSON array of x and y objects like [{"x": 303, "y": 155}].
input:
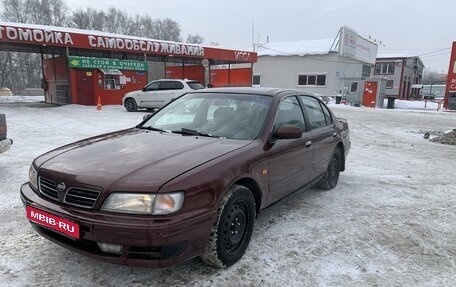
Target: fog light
[{"x": 110, "y": 248}]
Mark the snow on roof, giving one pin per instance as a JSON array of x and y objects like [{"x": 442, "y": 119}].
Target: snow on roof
[
  {"x": 394, "y": 56},
  {"x": 296, "y": 48},
  {"x": 84, "y": 32}
]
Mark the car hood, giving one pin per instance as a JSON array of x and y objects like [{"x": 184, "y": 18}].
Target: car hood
[{"x": 133, "y": 159}]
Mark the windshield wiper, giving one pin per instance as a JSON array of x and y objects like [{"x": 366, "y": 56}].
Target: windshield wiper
[
  {"x": 154, "y": 129},
  {"x": 191, "y": 132}
]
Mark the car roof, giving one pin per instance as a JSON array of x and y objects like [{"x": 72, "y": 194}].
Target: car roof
[
  {"x": 266, "y": 91},
  {"x": 180, "y": 80}
]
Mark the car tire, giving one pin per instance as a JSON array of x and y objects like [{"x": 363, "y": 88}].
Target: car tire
[
  {"x": 331, "y": 176},
  {"x": 130, "y": 105},
  {"x": 232, "y": 229}
]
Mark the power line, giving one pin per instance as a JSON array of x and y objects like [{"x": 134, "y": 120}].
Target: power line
[{"x": 436, "y": 51}]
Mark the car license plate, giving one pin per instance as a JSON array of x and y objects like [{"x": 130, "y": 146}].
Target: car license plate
[{"x": 54, "y": 222}]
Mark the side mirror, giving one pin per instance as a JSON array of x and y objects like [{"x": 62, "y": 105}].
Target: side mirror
[
  {"x": 143, "y": 89},
  {"x": 288, "y": 132}
]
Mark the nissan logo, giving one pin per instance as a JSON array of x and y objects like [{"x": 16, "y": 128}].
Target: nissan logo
[{"x": 61, "y": 186}]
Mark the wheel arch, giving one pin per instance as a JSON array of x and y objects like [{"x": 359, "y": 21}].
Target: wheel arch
[
  {"x": 130, "y": 97},
  {"x": 254, "y": 188}
]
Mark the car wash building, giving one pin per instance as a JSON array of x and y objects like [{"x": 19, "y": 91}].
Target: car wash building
[
  {"x": 82, "y": 66},
  {"x": 340, "y": 66}
]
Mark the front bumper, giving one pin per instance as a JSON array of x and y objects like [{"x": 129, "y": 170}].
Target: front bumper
[
  {"x": 145, "y": 241},
  {"x": 5, "y": 145}
]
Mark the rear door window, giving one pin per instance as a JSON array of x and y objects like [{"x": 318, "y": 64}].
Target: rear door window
[
  {"x": 314, "y": 111},
  {"x": 171, "y": 85}
]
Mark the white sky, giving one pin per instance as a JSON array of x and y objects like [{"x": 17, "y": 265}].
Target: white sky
[{"x": 419, "y": 27}]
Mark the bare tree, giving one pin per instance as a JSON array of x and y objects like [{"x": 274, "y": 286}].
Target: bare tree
[
  {"x": 44, "y": 12},
  {"x": 195, "y": 39},
  {"x": 59, "y": 13},
  {"x": 90, "y": 19},
  {"x": 5, "y": 71},
  {"x": 16, "y": 11},
  {"x": 116, "y": 21},
  {"x": 432, "y": 77},
  {"x": 167, "y": 29}
]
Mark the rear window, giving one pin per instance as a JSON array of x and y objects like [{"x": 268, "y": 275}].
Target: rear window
[{"x": 195, "y": 85}]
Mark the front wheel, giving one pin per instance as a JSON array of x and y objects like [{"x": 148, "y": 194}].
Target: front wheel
[
  {"x": 232, "y": 229},
  {"x": 331, "y": 176},
  {"x": 130, "y": 105}
]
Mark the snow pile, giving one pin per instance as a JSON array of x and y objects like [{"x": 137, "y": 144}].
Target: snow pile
[
  {"x": 408, "y": 104},
  {"x": 448, "y": 137},
  {"x": 21, "y": 99}
]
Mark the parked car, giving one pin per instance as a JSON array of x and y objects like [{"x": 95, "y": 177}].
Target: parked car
[
  {"x": 5, "y": 143},
  {"x": 158, "y": 93},
  {"x": 189, "y": 180}
]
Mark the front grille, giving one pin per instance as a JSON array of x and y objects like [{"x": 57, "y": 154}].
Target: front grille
[
  {"x": 81, "y": 197},
  {"x": 48, "y": 188}
]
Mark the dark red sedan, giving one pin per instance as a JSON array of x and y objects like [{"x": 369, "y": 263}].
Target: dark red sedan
[{"x": 189, "y": 180}]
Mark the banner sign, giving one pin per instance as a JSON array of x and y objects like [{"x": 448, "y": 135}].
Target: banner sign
[
  {"x": 451, "y": 79},
  {"x": 39, "y": 35},
  {"x": 354, "y": 46},
  {"x": 100, "y": 63}
]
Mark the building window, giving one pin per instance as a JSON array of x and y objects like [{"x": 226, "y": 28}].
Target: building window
[
  {"x": 384, "y": 68},
  {"x": 256, "y": 80},
  {"x": 354, "y": 87},
  {"x": 389, "y": 84},
  {"x": 312, "y": 80},
  {"x": 111, "y": 82},
  {"x": 366, "y": 71},
  {"x": 321, "y": 80}
]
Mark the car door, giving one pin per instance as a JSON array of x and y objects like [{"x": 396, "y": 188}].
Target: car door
[
  {"x": 148, "y": 94},
  {"x": 323, "y": 131},
  {"x": 290, "y": 160},
  {"x": 167, "y": 91}
]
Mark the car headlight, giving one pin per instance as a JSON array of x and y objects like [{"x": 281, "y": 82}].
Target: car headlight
[
  {"x": 33, "y": 177},
  {"x": 139, "y": 203},
  {"x": 167, "y": 203}
]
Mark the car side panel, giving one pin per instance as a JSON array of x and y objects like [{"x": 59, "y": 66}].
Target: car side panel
[
  {"x": 324, "y": 141},
  {"x": 290, "y": 166}
]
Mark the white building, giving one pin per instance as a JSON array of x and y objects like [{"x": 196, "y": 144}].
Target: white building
[
  {"x": 403, "y": 74},
  {"x": 327, "y": 67}
]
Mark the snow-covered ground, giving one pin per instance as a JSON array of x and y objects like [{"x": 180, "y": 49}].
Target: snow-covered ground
[{"x": 389, "y": 222}]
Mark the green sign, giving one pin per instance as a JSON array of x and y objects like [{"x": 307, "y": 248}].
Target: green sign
[{"x": 101, "y": 63}]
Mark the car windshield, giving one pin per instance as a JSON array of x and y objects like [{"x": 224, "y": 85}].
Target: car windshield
[
  {"x": 195, "y": 85},
  {"x": 232, "y": 116}
]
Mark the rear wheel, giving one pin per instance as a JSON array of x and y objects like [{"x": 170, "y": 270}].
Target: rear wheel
[
  {"x": 331, "y": 176},
  {"x": 130, "y": 105},
  {"x": 232, "y": 229}
]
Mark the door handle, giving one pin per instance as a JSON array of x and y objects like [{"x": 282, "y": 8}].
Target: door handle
[{"x": 308, "y": 143}]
